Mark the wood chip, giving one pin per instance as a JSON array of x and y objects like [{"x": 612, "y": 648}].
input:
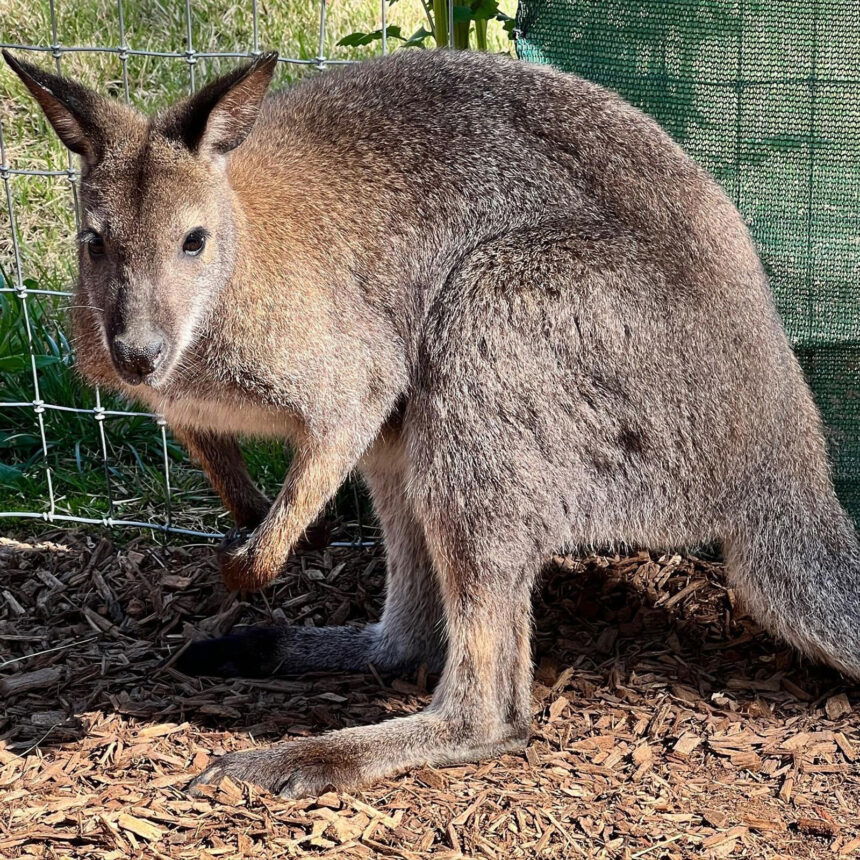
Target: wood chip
[
  {"x": 14, "y": 685},
  {"x": 851, "y": 847},
  {"x": 656, "y": 732},
  {"x": 837, "y": 706},
  {"x": 762, "y": 824},
  {"x": 686, "y": 744},
  {"x": 139, "y": 826},
  {"x": 817, "y": 827},
  {"x": 715, "y": 817}
]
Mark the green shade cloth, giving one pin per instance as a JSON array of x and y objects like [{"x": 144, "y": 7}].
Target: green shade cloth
[{"x": 766, "y": 95}]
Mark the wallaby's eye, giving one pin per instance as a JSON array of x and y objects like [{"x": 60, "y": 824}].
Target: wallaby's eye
[
  {"x": 194, "y": 242},
  {"x": 95, "y": 244}
]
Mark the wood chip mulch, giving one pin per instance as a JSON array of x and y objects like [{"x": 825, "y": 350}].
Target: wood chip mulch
[{"x": 666, "y": 724}]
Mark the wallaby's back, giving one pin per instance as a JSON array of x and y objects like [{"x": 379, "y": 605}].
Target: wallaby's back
[
  {"x": 443, "y": 150},
  {"x": 395, "y": 171}
]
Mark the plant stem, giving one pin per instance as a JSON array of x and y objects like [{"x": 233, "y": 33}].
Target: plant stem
[
  {"x": 481, "y": 34},
  {"x": 461, "y": 34},
  {"x": 429, "y": 17},
  {"x": 440, "y": 21}
]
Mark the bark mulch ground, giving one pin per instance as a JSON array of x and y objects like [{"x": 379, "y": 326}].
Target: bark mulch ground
[{"x": 666, "y": 724}]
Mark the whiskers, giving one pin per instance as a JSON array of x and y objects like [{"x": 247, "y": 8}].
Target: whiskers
[
  {"x": 76, "y": 307},
  {"x": 182, "y": 365}
]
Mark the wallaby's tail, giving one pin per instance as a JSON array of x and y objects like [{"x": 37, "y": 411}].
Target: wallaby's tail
[{"x": 795, "y": 559}]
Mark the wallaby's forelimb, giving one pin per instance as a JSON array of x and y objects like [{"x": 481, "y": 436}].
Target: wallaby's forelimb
[
  {"x": 318, "y": 468},
  {"x": 410, "y": 632},
  {"x": 224, "y": 466}
]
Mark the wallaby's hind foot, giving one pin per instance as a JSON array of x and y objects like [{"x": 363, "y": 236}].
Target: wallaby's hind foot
[{"x": 350, "y": 758}]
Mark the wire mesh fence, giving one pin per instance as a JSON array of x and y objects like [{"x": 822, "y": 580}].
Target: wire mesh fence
[{"x": 32, "y": 304}]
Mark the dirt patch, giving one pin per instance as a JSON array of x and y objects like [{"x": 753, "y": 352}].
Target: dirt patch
[{"x": 665, "y": 723}]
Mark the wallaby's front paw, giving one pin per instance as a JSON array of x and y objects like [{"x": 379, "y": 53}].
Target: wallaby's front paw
[
  {"x": 243, "y": 568},
  {"x": 303, "y": 768}
]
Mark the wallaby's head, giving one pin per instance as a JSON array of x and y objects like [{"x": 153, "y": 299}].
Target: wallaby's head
[{"x": 158, "y": 238}]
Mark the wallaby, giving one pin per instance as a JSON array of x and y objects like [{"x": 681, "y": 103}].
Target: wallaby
[{"x": 510, "y": 301}]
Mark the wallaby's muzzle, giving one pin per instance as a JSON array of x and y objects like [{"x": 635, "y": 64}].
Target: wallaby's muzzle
[{"x": 137, "y": 355}]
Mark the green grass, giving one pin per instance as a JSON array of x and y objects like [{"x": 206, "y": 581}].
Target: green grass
[{"x": 134, "y": 478}]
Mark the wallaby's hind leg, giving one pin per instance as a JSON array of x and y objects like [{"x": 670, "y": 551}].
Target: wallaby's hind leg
[
  {"x": 478, "y": 483},
  {"x": 481, "y": 706},
  {"x": 409, "y": 633},
  {"x": 412, "y": 628}
]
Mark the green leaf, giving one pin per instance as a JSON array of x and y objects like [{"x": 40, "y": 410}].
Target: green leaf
[
  {"x": 484, "y": 10},
  {"x": 20, "y": 362},
  {"x": 418, "y": 38},
  {"x": 355, "y": 40},
  {"x": 20, "y": 440},
  {"x": 508, "y": 26},
  {"x": 10, "y": 476}
]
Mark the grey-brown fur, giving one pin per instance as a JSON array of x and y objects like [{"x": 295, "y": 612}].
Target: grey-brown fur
[{"x": 513, "y": 303}]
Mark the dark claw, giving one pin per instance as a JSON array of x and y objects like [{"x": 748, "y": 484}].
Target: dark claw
[
  {"x": 316, "y": 536},
  {"x": 234, "y": 538},
  {"x": 251, "y": 653},
  {"x": 247, "y": 766},
  {"x": 304, "y": 768}
]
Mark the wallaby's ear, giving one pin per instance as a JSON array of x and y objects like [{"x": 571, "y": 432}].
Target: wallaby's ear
[
  {"x": 221, "y": 115},
  {"x": 80, "y": 116}
]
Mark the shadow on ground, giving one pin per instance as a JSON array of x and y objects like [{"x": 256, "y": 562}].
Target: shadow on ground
[{"x": 662, "y": 714}]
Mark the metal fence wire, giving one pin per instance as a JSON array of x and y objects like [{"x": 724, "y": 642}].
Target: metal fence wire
[{"x": 17, "y": 284}]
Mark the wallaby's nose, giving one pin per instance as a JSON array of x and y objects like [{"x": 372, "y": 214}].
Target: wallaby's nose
[{"x": 138, "y": 356}]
